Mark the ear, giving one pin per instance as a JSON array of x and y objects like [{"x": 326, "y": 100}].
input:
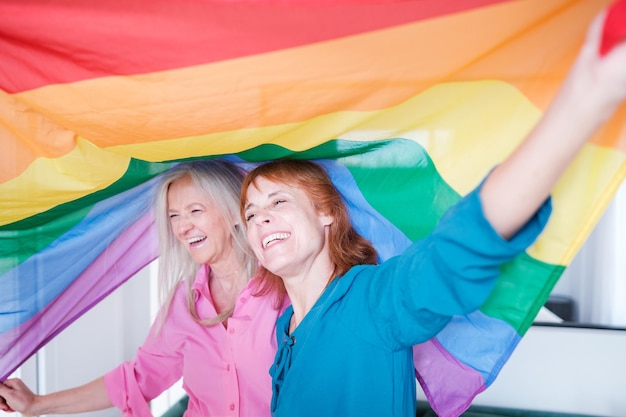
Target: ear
[{"x": 326, "y": 219}]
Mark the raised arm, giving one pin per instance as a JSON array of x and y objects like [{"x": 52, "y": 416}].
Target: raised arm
[
  {"x": 88, "y": 397},
  {"x": 589, "y": 96}
]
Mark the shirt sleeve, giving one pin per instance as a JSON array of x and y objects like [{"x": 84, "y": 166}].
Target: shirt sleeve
[
  {"x": 411, "y": 297},
  {"x": 156, "y": 366}
]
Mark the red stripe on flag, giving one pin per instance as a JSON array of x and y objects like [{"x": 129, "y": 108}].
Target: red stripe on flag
[{"x": 59, "y": 41}]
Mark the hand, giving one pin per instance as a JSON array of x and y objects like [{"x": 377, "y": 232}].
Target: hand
[
  {"x": 602, "y": 76},
  {"x": 590, "y": 95},
  {"x": 614, "y": 27},
  {"x": 4, "y": 406},
  {"x": 16, "y": 396}
]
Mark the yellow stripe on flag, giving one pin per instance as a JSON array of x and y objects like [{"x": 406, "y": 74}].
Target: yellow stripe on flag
[{"x": 47, "y": 182}]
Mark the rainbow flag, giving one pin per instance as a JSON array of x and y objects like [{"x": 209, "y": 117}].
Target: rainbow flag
[{"x": 407, "y": 103}]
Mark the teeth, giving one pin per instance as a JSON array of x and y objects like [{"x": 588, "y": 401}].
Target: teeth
[
  {"x": 195, "y": 239},
  {"x": 273, "y": 238}
]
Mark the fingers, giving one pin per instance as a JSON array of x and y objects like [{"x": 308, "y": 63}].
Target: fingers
[
  {"x": 614, "y": 27},
  {"x": 595, "y": 31},
  {"x": 6, "y": 388},
  {"x": 3, "y": 402},
  {"x": 601, "y": 78},
  {"x": 4, "y": 406},
  {"x": 9, "y": 384}
]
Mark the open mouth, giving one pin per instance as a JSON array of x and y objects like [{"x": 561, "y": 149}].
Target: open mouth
[
  {"x": 274, "y": 238},
  {"x": 196, "y": 240}
]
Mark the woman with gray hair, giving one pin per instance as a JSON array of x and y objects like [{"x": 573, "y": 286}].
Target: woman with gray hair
[{"x": 213, "y": 329}]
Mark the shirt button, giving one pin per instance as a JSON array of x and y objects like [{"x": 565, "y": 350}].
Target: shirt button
[
  {"x": 228, "y": 367},
  {"x": 243, "y": 299},
  {"x": 231, "y": 330},
  {"x": 232, "y": 407}
]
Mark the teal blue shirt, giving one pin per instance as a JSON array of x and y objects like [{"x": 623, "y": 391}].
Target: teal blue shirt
[{"x": 352, "y": 353}]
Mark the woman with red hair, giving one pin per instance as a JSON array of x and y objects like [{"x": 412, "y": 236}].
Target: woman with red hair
[{"x": 344, "y": 345}]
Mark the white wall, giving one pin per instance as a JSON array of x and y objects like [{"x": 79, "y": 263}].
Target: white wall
[
  {"x": 102, "y": 338},
  {"x": 560, "y": 369},
  {"x": 595, "y": 277}
]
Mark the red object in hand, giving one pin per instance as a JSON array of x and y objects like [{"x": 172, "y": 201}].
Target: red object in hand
[
  {"x": 4, "y": 406},
  {"x": 614, "y": 27}
]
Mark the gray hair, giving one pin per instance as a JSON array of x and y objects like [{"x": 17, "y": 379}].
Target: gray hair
[{"x": 221, "y": 182}]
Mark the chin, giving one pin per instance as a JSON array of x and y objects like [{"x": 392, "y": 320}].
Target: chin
[
  {"x": 273, "y": 268},
  {"x": 200, "y": 261}
]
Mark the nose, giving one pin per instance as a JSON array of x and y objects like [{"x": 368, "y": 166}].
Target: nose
[
  {"x": 183, "y": 224},
  {"x": 262, "y": 217}
]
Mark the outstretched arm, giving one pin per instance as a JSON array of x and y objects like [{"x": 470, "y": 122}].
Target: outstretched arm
[
  {"x": 88, "y": 397},
  {"x": 592, "y": 91}
]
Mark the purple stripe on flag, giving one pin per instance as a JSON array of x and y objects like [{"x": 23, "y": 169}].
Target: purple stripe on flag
[
  {"x": 449, "y": 385},
  {"x": 479, "y": 341},
  {"x": 33, "y": 284},
  {"x": 136, "y": 247},
  {"x": 463, "y": 360}
]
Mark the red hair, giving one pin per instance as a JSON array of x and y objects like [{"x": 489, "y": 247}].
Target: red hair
[{"x": 346, "y": 246}]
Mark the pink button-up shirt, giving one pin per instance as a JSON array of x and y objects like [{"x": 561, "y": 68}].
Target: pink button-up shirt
[{"x": 225, "y": 370}]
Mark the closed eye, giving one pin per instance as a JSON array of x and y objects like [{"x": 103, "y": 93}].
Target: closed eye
[{"x": 277, "y": 202}]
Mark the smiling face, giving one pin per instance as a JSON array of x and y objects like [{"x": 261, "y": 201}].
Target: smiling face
[
  {"x": 197, "y": 223},
  {"x": 284, "y": 230}
]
